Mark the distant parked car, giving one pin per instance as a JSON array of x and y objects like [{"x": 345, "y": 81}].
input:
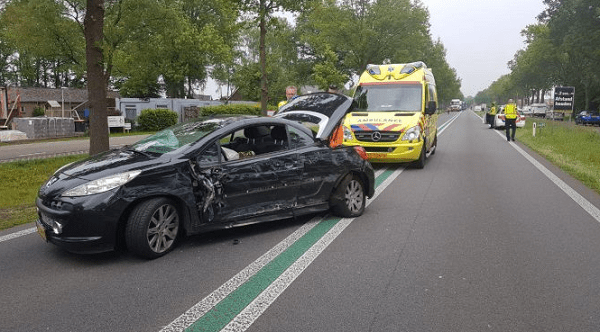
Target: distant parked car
[
  {"x": 499, "y": 119},
  {"x": 588, "y": 118}
]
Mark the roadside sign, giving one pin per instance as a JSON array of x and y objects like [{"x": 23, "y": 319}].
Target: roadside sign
[{"x": 564, "y": 98}]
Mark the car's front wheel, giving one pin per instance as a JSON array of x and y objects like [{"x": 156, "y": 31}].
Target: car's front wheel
[
  {"x": 350, "y": 198},
  {"x": 420, "y": 163},
  {"x": 152, "y": 228}
]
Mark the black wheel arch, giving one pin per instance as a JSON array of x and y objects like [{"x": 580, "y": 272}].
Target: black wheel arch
[{"x": 350, "y": 173}]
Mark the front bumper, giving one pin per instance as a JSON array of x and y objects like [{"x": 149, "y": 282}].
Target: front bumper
[
  {"x": 81, "y": 225},
  {"x": 400, "y": 153}
]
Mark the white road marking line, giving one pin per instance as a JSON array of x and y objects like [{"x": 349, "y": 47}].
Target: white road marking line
[
  {"x": 256, "y": 308},
  {"x": 575, "y": 196},
  {"x": 31, "y": 154},
  {"x": 17, "y": 234},
  {"x": 206, "y": 304},
  {"x": 588, "y": 207}
]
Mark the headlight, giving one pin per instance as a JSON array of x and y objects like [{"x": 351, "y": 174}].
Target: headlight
[
  {"x": 102, "y": 185},
  {"x": 412, "y": 134},
  {"x": 347, "y": 134}
]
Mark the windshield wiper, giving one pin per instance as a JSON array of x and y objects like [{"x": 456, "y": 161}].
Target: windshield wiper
[{"x": 146, "y": 154}]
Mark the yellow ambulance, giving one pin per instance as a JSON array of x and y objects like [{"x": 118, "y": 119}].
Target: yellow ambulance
[{"x": 395, "y": 116}]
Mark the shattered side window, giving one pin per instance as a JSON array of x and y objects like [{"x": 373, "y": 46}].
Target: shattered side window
[
  {"x": 311, "y": 121},
  {"x": 210, "y": 155},
  {"x": 299, "y": 138}
]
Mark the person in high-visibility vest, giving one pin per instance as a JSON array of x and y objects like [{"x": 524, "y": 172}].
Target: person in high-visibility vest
[
  {"x": 510, "y": 121},
  {"x": 290, "y": 94},
  {"x": 491, "y": 116}
]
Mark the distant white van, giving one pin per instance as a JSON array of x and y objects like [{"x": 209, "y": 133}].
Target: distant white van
[{"x": 537, "y": 110}]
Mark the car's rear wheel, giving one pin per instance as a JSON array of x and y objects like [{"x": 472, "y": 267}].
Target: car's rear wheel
[
  {"x": 350, "y": 198},
  {"x": 152, "y": 228}
]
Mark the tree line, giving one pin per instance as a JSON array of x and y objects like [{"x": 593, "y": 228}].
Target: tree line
[
  {"x": 173, "y": 46},
  {"x": 562, "y": 49}
]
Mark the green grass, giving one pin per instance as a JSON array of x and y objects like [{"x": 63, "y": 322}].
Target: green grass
[
  {"x": 575, "y": 149},
  {"x": 21, "y": 181}
]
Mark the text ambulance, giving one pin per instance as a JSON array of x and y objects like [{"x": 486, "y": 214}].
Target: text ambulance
[{"x": 395, "y": 119}]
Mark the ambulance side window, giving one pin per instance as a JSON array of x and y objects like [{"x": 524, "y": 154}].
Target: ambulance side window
[{"x": 432, "y": 92}]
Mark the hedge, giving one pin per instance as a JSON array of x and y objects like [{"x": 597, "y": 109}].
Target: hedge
[
  {"x": 156, "y": 119},
  {"x": 243, "y": 109}
]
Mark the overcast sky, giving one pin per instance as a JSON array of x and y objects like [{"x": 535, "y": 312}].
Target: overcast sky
[{"x": 481, "y": 36}]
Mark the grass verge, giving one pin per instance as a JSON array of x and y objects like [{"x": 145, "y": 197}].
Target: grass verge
[
  {"x": 21, "y": 181},
  {"x": 575, "y": 149}
]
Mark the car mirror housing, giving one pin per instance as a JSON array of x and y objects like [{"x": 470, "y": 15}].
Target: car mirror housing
[{"x": 431, "y": 107}]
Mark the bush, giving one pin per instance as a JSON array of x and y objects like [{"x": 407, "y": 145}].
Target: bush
[
  {"x": 241, "y": 109},
  {"x": 156, "y": 119},
  {"x": 39, "y": 111}
]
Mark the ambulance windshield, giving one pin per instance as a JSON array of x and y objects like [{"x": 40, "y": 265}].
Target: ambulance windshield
[{"x": 389, "y": 98}]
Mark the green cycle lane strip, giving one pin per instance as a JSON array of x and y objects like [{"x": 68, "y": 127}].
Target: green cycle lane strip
[
  {"x": 221, "y": 310},
  {"x": 241, "y": 300}
]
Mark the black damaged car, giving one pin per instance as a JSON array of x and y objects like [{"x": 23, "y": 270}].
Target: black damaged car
[{"x": 205, "y": 174}]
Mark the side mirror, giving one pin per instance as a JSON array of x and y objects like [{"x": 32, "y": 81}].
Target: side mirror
[{"x": 431, "y": 108}]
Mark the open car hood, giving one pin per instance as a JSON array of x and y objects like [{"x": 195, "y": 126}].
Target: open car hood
[{"x": 326, "y": 109}]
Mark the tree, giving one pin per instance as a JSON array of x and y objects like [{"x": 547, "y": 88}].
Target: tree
[
  {"x": 326, "y": 72},
  {"x": 97, "y": 77},
  {"x": 170, "y": 45},
  {"x": 574, "y": 26},
  {"x": 364, "y": 32},
  {"x": 536, "y": 68},
  {"x": 562, "y": 49},
  {"x": 52, "y": 56},
  {"x": 284, "y": 67},
  {"x": 261, "y": 13}
]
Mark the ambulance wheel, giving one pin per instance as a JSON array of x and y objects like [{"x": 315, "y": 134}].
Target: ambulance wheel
[{"x": 420, "y": 163}]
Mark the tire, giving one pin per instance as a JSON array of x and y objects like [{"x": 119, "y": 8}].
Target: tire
[
  {"x": 152, "y": 228},
  {"x": 349, "y": 198},
  {"x": 420, "y": 163}
]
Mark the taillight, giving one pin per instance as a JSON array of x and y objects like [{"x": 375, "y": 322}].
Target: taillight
[{"x": 361, "y": 152}]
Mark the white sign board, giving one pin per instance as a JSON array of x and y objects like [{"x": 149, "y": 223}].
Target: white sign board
[{"x": 116, "y": 121}]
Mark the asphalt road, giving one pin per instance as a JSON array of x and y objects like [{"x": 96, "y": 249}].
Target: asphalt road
[
  {"x": 26, "y": 151},
  {"x": 484, "y": 238}
]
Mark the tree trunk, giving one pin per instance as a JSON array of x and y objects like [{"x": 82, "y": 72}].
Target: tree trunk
[
  {"x": 264, "y": 95},
  {"x": 96, "y": 80}
]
